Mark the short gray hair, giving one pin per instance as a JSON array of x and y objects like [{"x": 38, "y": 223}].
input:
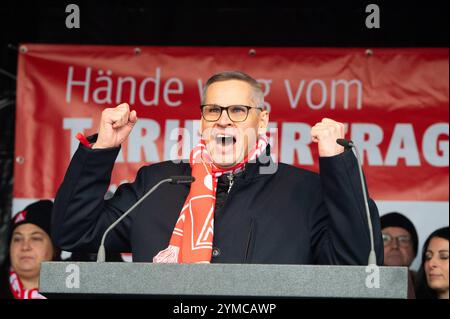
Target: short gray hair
[{"x": 258, "y": 94}]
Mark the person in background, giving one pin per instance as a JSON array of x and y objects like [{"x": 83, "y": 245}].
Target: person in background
[
  {"x": 400, "y": 244},
  {"x": 30, "y": 245},
  {"x": 433, "y": 273}
]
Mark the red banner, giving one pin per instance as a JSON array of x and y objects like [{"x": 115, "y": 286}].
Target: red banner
[{"x": 394, "y": 101}]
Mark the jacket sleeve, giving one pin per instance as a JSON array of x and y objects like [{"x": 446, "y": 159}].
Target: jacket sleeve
[
  {"x": 338, "y": 220},
  {"x": 80, "y": 213}
]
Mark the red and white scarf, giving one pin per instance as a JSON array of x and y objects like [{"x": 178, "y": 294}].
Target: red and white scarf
[
  {"x": 17, "y": 289},
  {"x": 192, "y": 238}
]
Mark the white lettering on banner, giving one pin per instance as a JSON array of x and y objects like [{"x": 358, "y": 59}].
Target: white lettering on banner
[
  {"x": 403, "y": 145},
  {"x": 431, "y": 147},
  {"x": 84, "y": 83},
  {"x": 309, "y": 99},
  {"x": 294, "y": 101},
  {"x": 296, "y": 137},
  {"x": 107, "y": 89},
  {"x": 120, "y": 82},
  {"x": 177, "y": 90},
  {"x": 148, "y": 91},
  {"x": 144, "y": 136},
  {"x": 367, "y": 138},
  {"x": 156, "y": 81},
  {"x": 346, "y": 86},
  {"x": 180, "y": 137}
]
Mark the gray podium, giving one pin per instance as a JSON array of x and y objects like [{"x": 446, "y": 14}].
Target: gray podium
[{"x": 228, "y": 280}]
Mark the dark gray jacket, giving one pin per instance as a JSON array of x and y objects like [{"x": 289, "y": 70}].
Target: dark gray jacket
[{"x": 292, "y": 216}]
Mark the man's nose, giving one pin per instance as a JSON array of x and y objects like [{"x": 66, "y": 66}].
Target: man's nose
[
  {"x": 395, "y": 243},
  {"x": 224, "y": 119}
]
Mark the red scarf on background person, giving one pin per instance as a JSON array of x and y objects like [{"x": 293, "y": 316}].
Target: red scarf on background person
[
  {"x": 17, "y": 289},
  {"x": 192, "y": 238}
]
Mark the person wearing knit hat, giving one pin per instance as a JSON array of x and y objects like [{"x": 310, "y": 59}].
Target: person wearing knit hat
[
  {"x": 30, "y": 244},
  {"x": 400, "y": 240},
  {"x": 400, "y": 245}
]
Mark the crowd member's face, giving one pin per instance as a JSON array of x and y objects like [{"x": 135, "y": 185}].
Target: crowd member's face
[
  {"x": 229, "y": 142},
  {"x": 30, "y": 246},
  {"x": 436, "y": 264},
  {"x": 399, "y": 251}
]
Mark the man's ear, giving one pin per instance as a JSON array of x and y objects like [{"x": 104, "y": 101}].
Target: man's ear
[{"x": 263, "y": 122}]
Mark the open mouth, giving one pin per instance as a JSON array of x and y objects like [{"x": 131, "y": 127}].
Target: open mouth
[{"x": 225, "y": 140}]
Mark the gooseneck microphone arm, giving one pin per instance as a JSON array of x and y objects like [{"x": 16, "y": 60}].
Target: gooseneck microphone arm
[
  {"x": 173, "y": 180},
  {"x": 350, "y": 145}
]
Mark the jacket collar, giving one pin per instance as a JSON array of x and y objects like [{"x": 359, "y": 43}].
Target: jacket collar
[{"x": 263, "y": 166}]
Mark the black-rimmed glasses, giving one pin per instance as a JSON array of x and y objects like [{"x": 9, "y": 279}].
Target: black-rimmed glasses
[
  {"x": 236, "y": 113},
  {"x": 401, "y": 240}
]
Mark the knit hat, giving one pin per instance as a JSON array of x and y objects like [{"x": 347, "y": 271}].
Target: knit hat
[
  {"x": 38, "y": 213},
  {"x": 395, "y": 219}
]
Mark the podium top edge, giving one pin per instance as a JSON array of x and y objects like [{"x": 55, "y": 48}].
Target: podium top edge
[{"x": 91, "y": 263}]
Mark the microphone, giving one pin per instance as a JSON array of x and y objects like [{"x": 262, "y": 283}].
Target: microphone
[
  {"x": 348, "y": 144},
  {"x": 173, "y": 180},
  {"x": 182, "y": 179}
]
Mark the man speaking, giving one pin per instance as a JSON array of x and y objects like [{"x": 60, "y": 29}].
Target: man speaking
[{"x": 238, "y": 210}]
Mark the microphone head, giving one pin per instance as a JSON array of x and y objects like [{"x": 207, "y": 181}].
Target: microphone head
[
  {"x": 345, "y": 143},
  {"x": 182, "y": 179}
]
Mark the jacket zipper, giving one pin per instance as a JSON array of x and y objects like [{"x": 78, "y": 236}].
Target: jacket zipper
[
  {"x": 231, "y": 180},
  {"x": 249, "y": 240}
]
